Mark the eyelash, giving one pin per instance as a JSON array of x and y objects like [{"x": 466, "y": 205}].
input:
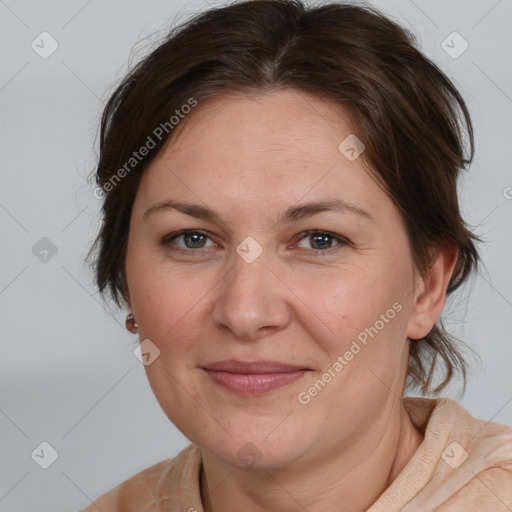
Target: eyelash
[{"x": 342, "y": 241}]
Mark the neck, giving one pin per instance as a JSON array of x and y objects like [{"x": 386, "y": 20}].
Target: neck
[{"x": 350, "y": 479}]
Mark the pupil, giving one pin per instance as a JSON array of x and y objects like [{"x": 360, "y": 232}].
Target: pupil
[
  {"x": 324, "y": 236},
  {"x": 193, "y": 235}
]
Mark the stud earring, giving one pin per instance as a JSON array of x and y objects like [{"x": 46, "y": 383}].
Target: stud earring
[{"x": 131, "y": 324}]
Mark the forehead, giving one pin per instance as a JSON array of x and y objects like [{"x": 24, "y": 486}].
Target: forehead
[
  {"x": 289, "y": 123},
  {"x": 269, "y": 149}
]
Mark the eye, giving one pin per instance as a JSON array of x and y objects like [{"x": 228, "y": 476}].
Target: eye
[
  {"x": 321, "y": 241},
  {"x": 191, "y": 238}
]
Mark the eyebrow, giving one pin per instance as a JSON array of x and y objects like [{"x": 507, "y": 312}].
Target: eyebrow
[{"x": 291, "y": 214}]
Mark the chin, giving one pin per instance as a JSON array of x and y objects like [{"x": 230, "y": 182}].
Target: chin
[
  {"x": 254, "y": 445},
  {"x": 256, "y": 456}
]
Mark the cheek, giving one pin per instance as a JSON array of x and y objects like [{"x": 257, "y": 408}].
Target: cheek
[
  {"x": 163, "y": 295},
  {"x": 344, "y": 305},
  {"x": 367, "y": 317}
]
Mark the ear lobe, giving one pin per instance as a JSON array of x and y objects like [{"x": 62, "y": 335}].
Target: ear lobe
[{"x": 431, "y": 292}]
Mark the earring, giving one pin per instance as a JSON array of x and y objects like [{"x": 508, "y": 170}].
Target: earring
[{"x": 131, "y": 324}]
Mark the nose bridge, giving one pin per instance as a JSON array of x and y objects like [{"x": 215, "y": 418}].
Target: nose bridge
[
  {"x": 250, "y": 266},
  {"x": 250, "y": 297}
]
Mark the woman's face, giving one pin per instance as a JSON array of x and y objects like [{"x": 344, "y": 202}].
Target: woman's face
[{"x": 251, "y": 284}]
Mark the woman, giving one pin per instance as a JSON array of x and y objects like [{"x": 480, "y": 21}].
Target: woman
[{"x": 281, "y": 222}]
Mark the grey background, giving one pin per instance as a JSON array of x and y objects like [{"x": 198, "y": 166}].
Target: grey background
[{"x": 67, "y": 372}]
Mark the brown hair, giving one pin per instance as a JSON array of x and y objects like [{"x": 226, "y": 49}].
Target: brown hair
[{"x": 408, "y": 113}]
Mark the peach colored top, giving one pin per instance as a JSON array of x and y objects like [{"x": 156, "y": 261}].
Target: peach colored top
[{"x": 463, "y": 464}]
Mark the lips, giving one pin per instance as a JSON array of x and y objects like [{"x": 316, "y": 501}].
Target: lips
[
  {"x": 251, "y": 367},
  {"x": 254, "y": 377}
]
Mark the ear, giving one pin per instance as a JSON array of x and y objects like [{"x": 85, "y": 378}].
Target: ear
[{"x": 430, "y": 292}]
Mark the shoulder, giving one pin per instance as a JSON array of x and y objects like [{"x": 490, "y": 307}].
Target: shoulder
[
  {"x": 468, "y": 443},
  {"x": 490, "y": 489},
  {"x": 135, "y": 491},
  {"x": 470, "y": 459},
  {"x": 446, "y": 416},
  {"x": 141, "y": 492}
]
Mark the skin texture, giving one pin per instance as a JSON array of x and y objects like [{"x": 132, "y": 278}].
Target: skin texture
[{"x": 301, "y": 301}]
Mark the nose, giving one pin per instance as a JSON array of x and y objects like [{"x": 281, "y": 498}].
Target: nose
[{"x": 252, "y": 300}]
